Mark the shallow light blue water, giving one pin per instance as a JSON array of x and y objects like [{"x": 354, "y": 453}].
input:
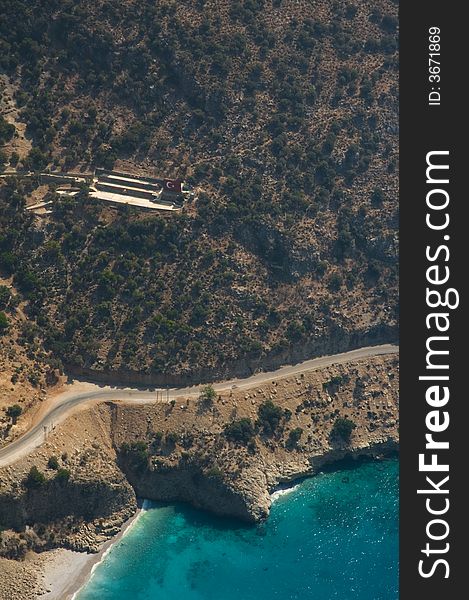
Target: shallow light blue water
[{"x": 335, "y": 536}]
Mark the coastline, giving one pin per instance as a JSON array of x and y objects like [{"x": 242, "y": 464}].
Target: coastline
[
  {"x": 66, "y": 572},
  {"x": 368, "y": 396},
  {"x": 284, "y": 488},
  {"x": 285, "y": 491}
]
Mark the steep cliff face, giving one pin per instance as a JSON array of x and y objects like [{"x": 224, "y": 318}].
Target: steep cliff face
[
  {"x": 180, "y": 451},
  {"x": 248, "y": 496},
  {"x": 53, "y": 501},
  {"x": 338, "y": 340},
  {"x": 85, "y": 506},
  {"x": 187, "y": 483}
]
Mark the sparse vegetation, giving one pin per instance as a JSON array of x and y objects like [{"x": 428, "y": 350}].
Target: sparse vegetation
[
  {"x": 335, "y": 382},
  {"x": 7, "y": 131},
  {"x": 5, "y": 297},
  {"x": 294, "y": 437},
  {"x": 14, "y": 412},
  {"x": 241, "y": 431},
  {"x": 269, "y": 417},
  {"x": 342, "y": 429},
  {"x": 157, "y": 439},
  {"x": 4, "y": 323},
  {"x": 239, "y": 463},
  {"x": 136, "y": 452},
  {"x": 3, "y": 159},
  {"x": 215, "y": 473},
  {"x": 207, "y": 396},
  {"x": 53, "y": 463},
  {"x": 63, "y": 476},
  {"x": 35, "y": 478},
  {"x": 290, "y": 201}
]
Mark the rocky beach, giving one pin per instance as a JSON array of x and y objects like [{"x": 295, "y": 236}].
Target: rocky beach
[{"x": 179, "y": 451}]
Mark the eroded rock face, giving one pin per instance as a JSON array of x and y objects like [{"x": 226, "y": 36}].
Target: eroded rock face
[
  {"x": 247, "y": 497},
  {"x": 337, "y": 340},
  {"x": 88, "y": 500},
  {"x": 179, "y": 452},
  {"x": 190, "y": 484}
]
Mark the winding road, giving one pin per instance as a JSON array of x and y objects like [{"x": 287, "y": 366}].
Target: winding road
[{"x": 81, "y": 395}]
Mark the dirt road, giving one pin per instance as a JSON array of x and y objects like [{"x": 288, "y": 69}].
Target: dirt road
[{"x": 80, "y": 395}]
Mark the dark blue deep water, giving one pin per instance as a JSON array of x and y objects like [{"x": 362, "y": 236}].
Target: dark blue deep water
[{"x": 335, "y": 536}]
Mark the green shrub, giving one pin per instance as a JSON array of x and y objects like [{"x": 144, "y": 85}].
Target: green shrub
[
  {"x": 35, "y": 479},
  {"x": 377, "y": 196},
  {"x": 36, "y": 160},
  {"x": 335, "y": 282},
  {"x": 342, "y": 429},
  {"x": 14, "y": 412},
  {"x": 295, "y": 330},
  {"x": 335, "y": 382},
  {"x": 63, "y": 476},
  {"x": 7, "y": 131},
  {"x": 137, "y": 452},
  {"x": 14, "y": 159},
  {"x": 3, "y": 159},
  {"x": 215, "y": 473},
  {"x": 53, "y": 463},
  {"x": 5, "y": 296},
  {"x": 4, "y": 323},
  {"x": 294, "y": 437},
  {"x": 172, "y": 438},
  {"x": 207, "y": 395},
  {"x": 241, "y": 430},
  {"x": 157, "y": 438},
  {"x": 270, "y": 416},
  {"x": 8, "y": 261}
]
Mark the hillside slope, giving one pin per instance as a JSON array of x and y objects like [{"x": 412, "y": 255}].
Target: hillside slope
[{"x": 281, "y": 114}]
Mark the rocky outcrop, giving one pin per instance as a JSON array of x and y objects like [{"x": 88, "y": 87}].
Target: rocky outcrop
[
  {"x": 190, "y": 484},
  {"x": 179, "y": 452},
  {"x": 335, "y": 342},
  {"x": 19, "y": 581},
  {"x": 248, "y": 497},
  {"x": 54, "y": 501}
]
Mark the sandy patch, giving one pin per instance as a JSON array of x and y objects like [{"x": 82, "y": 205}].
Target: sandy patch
[{"x": 66, "y": 571}]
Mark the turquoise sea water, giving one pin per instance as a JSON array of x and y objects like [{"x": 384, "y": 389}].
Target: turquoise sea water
[{"x": 335, "y": 536}]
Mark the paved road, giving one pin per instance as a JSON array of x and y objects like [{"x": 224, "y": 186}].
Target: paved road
[{"x": 82, "y": 395}]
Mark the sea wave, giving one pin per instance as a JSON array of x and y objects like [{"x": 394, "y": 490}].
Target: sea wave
[
  {"x": 145, "y": 506},
  {"x": 283, "y": 491}
]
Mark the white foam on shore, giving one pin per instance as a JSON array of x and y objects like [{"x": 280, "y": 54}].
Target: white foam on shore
[
  {"x": 284, "y": 491},
  {"x": 144, "y": 508}
]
